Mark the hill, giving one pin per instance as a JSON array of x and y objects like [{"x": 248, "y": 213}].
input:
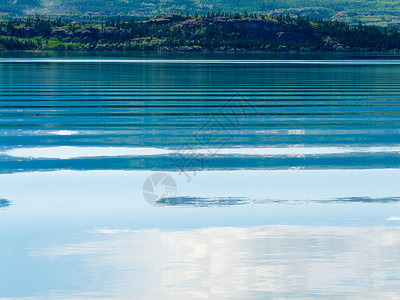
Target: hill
[
  {"x": 215, "y": 32},
  {"x": 378, "y": 12}
]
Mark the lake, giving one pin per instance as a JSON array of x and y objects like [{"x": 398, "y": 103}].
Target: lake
[{"x": 199, "y": 176}]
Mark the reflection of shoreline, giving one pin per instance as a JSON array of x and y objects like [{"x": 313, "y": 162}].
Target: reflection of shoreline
[
  {"x": 233, "y": 201},
  {"x": 4, "y": 203},
  {"x": 202, "y": 202}
]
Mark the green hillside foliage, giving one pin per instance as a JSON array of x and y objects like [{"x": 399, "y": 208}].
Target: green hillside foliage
[
  {"x": 378, "y": 12},
  {"x": 215, "y": 32}
]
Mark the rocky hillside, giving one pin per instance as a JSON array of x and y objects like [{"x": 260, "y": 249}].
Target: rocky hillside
[
  {"x": 370, "y": 12},
  {"x": 174, "y": 32}
]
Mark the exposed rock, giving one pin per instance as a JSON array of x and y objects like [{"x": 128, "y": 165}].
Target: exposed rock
[
  {"x": 254, "y": 24},
  {"x": 295, "y": 37},
  {"x": 87, "y": 32},
  {"x": 188, "y": 48},
  {"x": 345, "y": 14},
  {"x": 313, "y": 13},
  {"x": 190, "y": 23},
  {"x": 252, "y": 27},
  {"x": 61, "y": 32},
  {"x": 228, "y": 49},
  {"x": 333, "y": 44},
  {"x": 110, "y": 32},
  {"x": 166, "y": 19}
]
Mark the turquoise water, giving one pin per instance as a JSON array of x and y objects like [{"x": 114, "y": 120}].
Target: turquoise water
[{"x": 199, "y": 177}]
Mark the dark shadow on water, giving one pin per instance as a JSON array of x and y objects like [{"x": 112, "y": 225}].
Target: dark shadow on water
[
  {"x": 366, "y": 200},
  {"x": 202, "y": 202},
  {"x": 234, "y": 201},
  {"x": 4, "y": 203}
]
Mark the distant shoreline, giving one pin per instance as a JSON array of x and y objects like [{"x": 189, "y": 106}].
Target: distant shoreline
[
  {"x": 205, "y": 52},
  {"x": 218, "y": 33}
]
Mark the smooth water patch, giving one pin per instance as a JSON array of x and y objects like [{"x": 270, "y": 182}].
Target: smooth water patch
[
  {"x": 301, "y": 262},
  {"x": 103, "y": 240},
  {"x": 235, "y": 198}
]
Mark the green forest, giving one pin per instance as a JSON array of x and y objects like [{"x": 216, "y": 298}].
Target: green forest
[
  {"x": 215, "y": 31},
  {"x": 370, "y": 12}
]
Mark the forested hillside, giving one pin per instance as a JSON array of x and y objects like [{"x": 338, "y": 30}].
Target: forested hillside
[
  {"x": 379, "y": 12},
  {"x": 213, "y": 32}
]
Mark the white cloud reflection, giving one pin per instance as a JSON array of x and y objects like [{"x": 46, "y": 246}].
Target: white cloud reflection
[
  {"x": 268, "y": 262},
  {"x": 64, "y": 132},
  {"x": 68, "y": 152}
]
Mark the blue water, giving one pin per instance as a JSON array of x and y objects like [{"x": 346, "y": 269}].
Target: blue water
[{"x": 239, "y": 176}]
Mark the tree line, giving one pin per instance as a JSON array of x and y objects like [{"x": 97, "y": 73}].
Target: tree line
[{"x": 216, "y": 30}]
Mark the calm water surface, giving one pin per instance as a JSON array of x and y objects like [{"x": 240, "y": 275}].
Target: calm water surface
[{"x": 199, "y": 177}]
